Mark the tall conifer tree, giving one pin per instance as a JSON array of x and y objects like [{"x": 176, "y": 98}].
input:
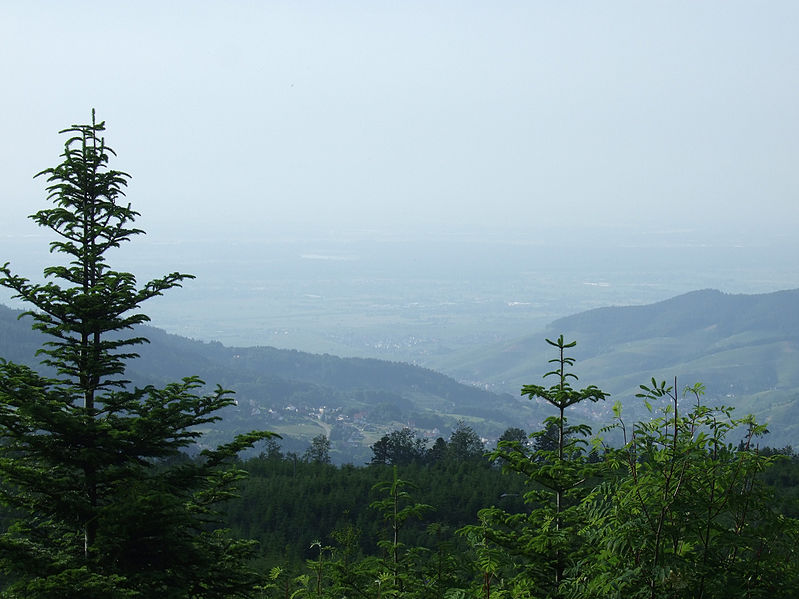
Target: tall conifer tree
[{"x": 91, "y": 464}]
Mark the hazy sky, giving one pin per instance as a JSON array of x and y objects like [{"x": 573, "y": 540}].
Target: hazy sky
[{"x": 254, "y": 116}]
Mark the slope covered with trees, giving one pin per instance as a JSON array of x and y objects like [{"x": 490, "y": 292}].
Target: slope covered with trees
[
  {"x": 676, "y": 511},
  {"x": 742, "y": 347},
  {"x": 353, "y": 401}
]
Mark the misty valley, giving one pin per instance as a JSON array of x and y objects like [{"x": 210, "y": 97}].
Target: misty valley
[
  {"x": 399, "y": 300},
  {"x": 390, "y": 418}
]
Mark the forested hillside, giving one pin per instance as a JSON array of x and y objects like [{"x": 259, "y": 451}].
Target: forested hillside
[
  {"x": 743, "y": 348},
  {"x": 678, "y": 511},
  {"x": 353, "y": 401}
]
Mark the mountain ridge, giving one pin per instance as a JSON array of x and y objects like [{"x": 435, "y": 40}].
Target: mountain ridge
[
  {"x": 299, "y": 394},
  {"x": 744, "y": 348}
]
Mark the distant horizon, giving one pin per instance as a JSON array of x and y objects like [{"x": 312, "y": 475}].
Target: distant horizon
[
  {"x": 610, "y": 234},
  {"x": 394, "y": 299}
]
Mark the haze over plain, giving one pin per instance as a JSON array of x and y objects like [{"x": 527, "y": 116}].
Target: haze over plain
[{"x": 317, "y": 130}]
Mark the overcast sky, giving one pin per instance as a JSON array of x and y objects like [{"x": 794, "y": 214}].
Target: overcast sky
[{"x": 255, "y": 116}]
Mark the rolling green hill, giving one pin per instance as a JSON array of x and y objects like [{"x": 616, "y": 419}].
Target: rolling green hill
[
  {"x": 299, "y": 395},
  {"x": 744, "y": 348}
]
